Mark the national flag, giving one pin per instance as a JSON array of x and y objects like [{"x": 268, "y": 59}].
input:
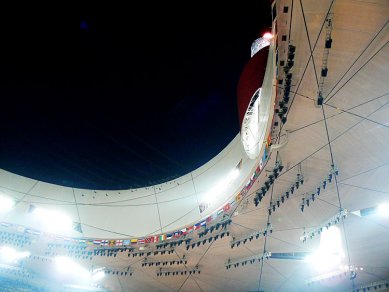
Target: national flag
[
  {"x": 203, "y": 223},
  {"x": 265, "y": 154},
  {"x": 104, "y": 242},
  {"x": 260, "y": 164},
  {"x": 238, "y": 197},
  {"x": 134, "y": 241},
  {"x": 97, "y": 242},
  {"x": 233, "y": 203},
  {"x": 141, "y": 241},
  {"x": 176, "y": 234},
  {"x": 209, "y": 219},
  {"x": 169, "y": 236},
  {"x": 119, "y": 242},
  {"x": 196, "y": 226},
  {"x": 128, "y": 242},
  {"x": 268, "y": 142},
  {"x": 89, "y": 242},
  {"x": 183, "y": 231},
  {"x": 156, "y": 238},
  {"x": 227, "y": 207},
  {"x": 189, "y": 229},
  {"x": 82, "y": 241},
  {"x": 162, "y": 237},
  {"x": 111, "y": 242}
]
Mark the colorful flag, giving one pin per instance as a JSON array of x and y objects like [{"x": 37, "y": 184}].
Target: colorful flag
[
  {"x": 209, "y": 219},
  {"x": 233, "y": 203},
  {"x": 89, "y": 242},
  {"x": 162, "y": 237},
  {"x": 156, "y": 238},
  {"x": 104, "y": 242},
  {"x": 227, "y": 207},
  {"x": 183, "y": 231},
  {"x": 141, "y": 241},
  {"x": 134, "y": 241},
  {"x": 196, "y": 226},
  {"x": 190, "y": 229},
  {"x": 203, "y": 223},
  {"x": 111, "y": 242},
  {"x": 82, "y": 241},
  {"x": 238, "y": 197},
  {"x": 128, "y": 242},
  {"x": 96, "y": 242},
  {"x": 176, "y": 234},
  {"x": 260, "y": 164},
  {"x": 169, "y": 236},
  {"x": 119, "y": 242}
]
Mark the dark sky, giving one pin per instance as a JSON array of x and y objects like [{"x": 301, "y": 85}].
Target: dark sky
[{"x": 120, "y": 97}]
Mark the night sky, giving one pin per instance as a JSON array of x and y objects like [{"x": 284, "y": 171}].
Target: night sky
[{"x": 121, "y": 97}]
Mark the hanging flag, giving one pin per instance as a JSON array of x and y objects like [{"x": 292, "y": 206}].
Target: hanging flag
[
  {"x": 233, "y": 203},
  {"x": 209, "y": 219},
  {"x": 156, "y": 238},
  {"x": 134, "y": 241},
  {"x": 196, "y": 226},
  {"x": 119, "y": 242},
  {"x": 89, "y": 242},
  {"x": 268, "y": 142},
  {"x": 190, "y": 229},
  {"x": 97, "y": 242},
  {"x": 176, "y": 234},
  {"x": 111, "y": 242},
  {"x": 227, "y": 207},
  {"x": 169, "y": 236},
  {"x": 203, "y": 223},
  {"x": 238, "y": 197},
  {"x": 141, "y": 241},
  {"x": 104, "y": 242},
  {"x": 82, "y": 241},
  {"x": 162, "y": 237},
  {"x": 128, "y": 242},
  {"x": 183, "y": 231}
]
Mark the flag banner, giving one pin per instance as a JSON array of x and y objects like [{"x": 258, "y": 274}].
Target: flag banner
[
  {"x": 141, "y": 241},
  {"x": 96, "y": 242},
  {"x": 104, "y": 242},
  {"x": 89, "y": 242},
  {"x": 128, "y": 242},
  {"x": 190, "y": 229},
  {"x": 156, "y": 238},
  {"x": 176, "y": 234},
  {"x": 227, "y": 207},
  {"x": 82, "y": 241},
  {"x": 134, "y": 241},
  {"x": 183, "y": 231},
  {"x": 169, "y": 236},
  {"x": 119, "y": 242},
  {"x": 196, "y": 226},
  {"x": 162, "y": 237},
  {"x": 203, "y": 223},
  {"x": 111, "y": 242},
  {"x": 209, "y": 219}
]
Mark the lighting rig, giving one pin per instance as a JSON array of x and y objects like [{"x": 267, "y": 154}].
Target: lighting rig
[
  {"x": 280, "y": 200},
  {"x": 223, "y": 224},
  {"x": 249, "y": 260},
  {"x": 126, "y": 272},
  {"x": 173, "y": 243},
  {"x": 183, "y": 261},
  {"x": 347, "y": 271},
  {"x": 209, "y": 239},
  {"x": 316, "y": 192},
  {"x": 283, "y": 104},
  {"x": 332, "y": 221},
  {"x": 249, "y": 237},
  {"x": 376, "y": 286},
  {"x": 177, "y": 272},
  {"x": 260, "y": 194}
]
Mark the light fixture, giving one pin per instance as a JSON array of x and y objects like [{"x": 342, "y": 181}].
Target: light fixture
[
  {"x": 267, "y": 36},
  {"x": 6, "y": 203},
  {"x": 53, "y": 220}
]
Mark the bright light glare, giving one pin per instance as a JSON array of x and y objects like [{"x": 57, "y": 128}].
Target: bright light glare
[
  {"x": 6, "y": 204},
  {"x": 98, "y": 276},
  {"x": 67, "y": 266},
  {"x": 383, "y": 210},
  {"x": 10, "y": 255},
  {"x": 212, "y": 195},
  {"x": 53, "y": 220},
  {"x": 267, "y": 36},
  {"x": 330, "y": 253}
]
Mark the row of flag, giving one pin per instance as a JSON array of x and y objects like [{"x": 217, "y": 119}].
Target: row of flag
[{"x": 162, "y": 237}]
